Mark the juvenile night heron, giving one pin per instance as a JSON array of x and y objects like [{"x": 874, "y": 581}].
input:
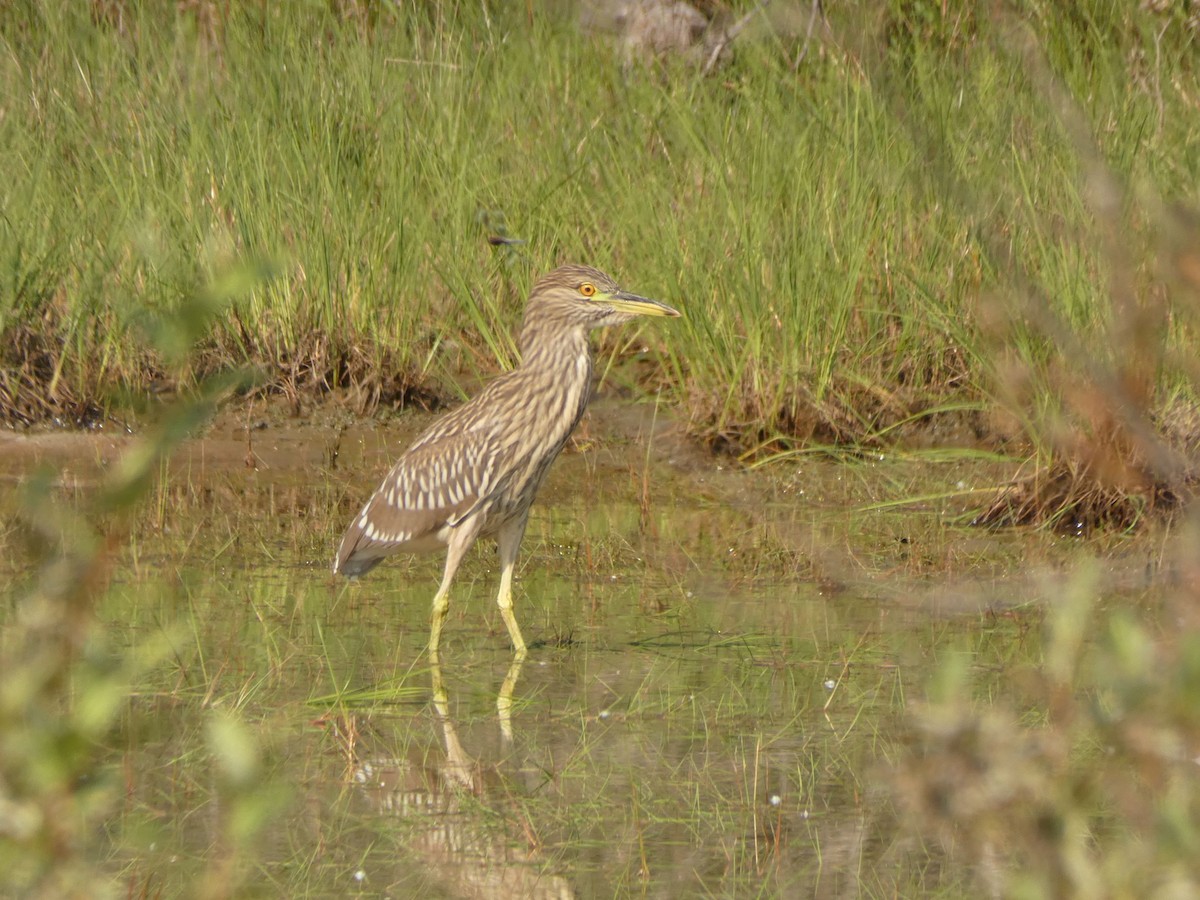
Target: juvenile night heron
[{"x": 475, "y": 471}]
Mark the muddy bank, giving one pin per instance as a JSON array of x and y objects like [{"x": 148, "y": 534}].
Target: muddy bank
[{"x": 322, "y": 438}]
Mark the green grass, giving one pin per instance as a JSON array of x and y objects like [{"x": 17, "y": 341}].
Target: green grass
[{"x": 843, "y": 238}]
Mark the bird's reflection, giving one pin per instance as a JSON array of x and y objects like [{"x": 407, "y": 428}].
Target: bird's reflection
[
  {"x": 504, "y": 700},
  {"x": 460, "y": 767},
  {"x": 463, "y": 850}
]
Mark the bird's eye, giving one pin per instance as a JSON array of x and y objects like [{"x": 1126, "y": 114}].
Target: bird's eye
[{"x": 587, "y": 289}]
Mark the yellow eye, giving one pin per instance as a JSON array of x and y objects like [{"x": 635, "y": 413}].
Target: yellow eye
[{"x": 587, "y": 289}]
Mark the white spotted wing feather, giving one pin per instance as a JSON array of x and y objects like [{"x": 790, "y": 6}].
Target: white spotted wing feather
[
  {"x": 430, "y": 490},
  {"x": 475, "y": 469}
]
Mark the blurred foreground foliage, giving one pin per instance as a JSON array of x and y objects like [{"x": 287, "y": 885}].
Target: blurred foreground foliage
[
  {"x": 65, "y": 686},
  {"x": 1088, "y": 784}
]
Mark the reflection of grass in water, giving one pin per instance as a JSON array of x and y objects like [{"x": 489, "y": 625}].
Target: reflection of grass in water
[
  {"x": 675, "y": 683},
  {"x": 654, "y": 742}
]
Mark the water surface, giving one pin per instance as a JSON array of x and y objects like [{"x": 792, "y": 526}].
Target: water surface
[{"x": 721, "y": 664}]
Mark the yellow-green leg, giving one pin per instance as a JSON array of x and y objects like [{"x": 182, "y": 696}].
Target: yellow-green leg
[
  {"x": 441, "y": 606},
  {"x": 441, "y": 600},
  {"x": 508, "y": 540}
]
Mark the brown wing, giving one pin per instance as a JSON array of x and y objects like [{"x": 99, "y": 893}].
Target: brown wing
[{"x": 433, "y": 486}]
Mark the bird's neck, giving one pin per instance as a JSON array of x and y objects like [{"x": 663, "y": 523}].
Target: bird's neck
[
  {"x": 560, "y": 352},
  {"x": 558, "y": 370}
]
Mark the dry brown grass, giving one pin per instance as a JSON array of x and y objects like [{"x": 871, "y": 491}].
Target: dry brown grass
[{"x": 39, "y": 384}]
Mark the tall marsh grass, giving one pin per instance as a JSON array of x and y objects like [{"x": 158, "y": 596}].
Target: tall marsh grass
[
  {"x": 831, "y": 279},
  {"x": 918, "y": 217}
]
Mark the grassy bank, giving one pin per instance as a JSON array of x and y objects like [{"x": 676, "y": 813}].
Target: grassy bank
[{"x": 898, "y": 214}]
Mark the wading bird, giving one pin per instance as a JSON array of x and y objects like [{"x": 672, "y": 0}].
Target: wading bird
[{"x": 475, "y": 471}]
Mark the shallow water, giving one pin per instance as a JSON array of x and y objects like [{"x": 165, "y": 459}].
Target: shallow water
[{"x": 720, "y": 663}]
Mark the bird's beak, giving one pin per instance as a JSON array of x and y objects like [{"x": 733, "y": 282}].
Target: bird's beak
[{"x": 622, "y": 301}]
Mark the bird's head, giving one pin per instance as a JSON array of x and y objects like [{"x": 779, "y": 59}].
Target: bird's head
[{"x": 573, "y": 296}]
